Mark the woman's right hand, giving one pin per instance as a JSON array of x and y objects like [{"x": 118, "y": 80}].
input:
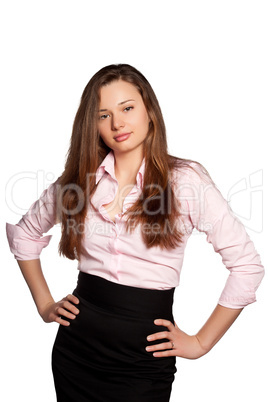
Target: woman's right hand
[{"x": 57, "y": 311}]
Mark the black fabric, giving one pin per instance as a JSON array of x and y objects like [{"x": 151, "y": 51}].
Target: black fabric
[{"x": 101, "y": 356}]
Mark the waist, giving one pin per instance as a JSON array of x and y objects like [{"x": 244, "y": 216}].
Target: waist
[{"x": 140, "y": 302}]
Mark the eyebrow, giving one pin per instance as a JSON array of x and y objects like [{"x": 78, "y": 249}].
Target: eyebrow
[{"x": 120, "y": 103}]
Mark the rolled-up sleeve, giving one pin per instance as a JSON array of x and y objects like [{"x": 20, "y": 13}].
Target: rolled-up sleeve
[
  {"x": 211, "y": 213},
  {"x": 26, "y": 240}
]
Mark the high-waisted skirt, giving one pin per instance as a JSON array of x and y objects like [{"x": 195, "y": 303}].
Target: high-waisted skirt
[{"x": 101, "y": 356}]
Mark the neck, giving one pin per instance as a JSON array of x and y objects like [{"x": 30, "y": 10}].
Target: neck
[{"x": 127, "y": 165}]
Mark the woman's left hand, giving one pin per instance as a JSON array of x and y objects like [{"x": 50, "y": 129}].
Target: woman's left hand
[{"x": 179, "y": 343}]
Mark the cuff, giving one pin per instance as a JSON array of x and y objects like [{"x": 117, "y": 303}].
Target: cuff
[{"x": 22, "y": 245}]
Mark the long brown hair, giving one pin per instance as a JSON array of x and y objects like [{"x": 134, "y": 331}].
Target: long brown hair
[{"x": 87, "y": 150}]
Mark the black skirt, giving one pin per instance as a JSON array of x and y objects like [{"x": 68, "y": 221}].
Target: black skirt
[{"x": 101, "y": 356}]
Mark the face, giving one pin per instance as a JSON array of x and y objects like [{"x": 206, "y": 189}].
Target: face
[{"x": 123, "y": 121}]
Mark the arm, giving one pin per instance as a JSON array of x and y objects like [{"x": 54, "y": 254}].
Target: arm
[
  {"x": 26, "y": 243},
  {"x": 48, "y": 309},
  {"x": 207, "y": 211},
  {"x": 218, "y": 323},
  {"x": 193, "y": 346}
]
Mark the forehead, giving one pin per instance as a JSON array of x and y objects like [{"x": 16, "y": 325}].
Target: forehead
[{"x": 118, "y": 91}]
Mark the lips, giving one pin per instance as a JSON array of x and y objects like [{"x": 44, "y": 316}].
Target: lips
[{"x": 121, "y": 135}]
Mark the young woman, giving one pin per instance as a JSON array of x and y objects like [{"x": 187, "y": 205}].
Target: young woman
[{"x": 127, "y": 209}]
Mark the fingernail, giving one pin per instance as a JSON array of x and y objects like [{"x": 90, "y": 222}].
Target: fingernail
[
  {"x": 149, "y": 338},
  {"x": 148, "y": 348}
]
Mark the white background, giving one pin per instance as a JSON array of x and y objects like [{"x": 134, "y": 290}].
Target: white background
[{"x": 207, "y": 62}]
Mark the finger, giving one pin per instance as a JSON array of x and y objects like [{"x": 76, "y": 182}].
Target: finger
[
  {"x": 159, "y": 346},
  {"x": 166, "y": 353},
  {"x": 69, "y": 306},
  {"x": 164, "y": 323},
  {"x": 59, "y": 320},
  {"x": 73, "y": 299},
  {"x": 62, "y": 312},
  {"x": 158, "y": 335}
]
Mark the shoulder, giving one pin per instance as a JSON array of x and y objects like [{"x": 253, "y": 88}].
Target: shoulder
[
  {"x": 189, "y": 171},
  {"x": 193, "y": 185}
]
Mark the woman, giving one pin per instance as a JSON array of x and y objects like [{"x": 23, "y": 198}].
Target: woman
[{"x": 127, "y": 209}]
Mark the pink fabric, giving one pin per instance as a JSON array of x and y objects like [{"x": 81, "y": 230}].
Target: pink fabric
[{"x": 121, "y": 257}]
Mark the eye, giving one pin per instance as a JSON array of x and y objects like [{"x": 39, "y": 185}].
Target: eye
[
  {"x": 103, "y": 116},
  {"x": 128, "y": 108}
]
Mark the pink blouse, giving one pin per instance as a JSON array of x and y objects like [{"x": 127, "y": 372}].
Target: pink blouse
[{"x": 122, "y": 257}]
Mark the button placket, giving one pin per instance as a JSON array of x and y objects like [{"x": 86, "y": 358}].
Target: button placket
[
  {"x": 108, "y": 200},
  {"x": 130, "y": 198}
]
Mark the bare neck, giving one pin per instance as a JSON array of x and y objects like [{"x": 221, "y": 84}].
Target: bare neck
[{"x": 127, "y": 166}]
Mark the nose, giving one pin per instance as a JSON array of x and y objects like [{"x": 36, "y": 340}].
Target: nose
[{"x": 117, "y": 122}]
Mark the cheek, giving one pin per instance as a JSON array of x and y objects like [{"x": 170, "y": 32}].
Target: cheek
[
  {"x": 103, "y": 135},
  {"x": 141, "y": 120},
  {"x": 144, "y": 116},
  {"x": 145, "y": 120},
  {"x": 102, "y": 129}
]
